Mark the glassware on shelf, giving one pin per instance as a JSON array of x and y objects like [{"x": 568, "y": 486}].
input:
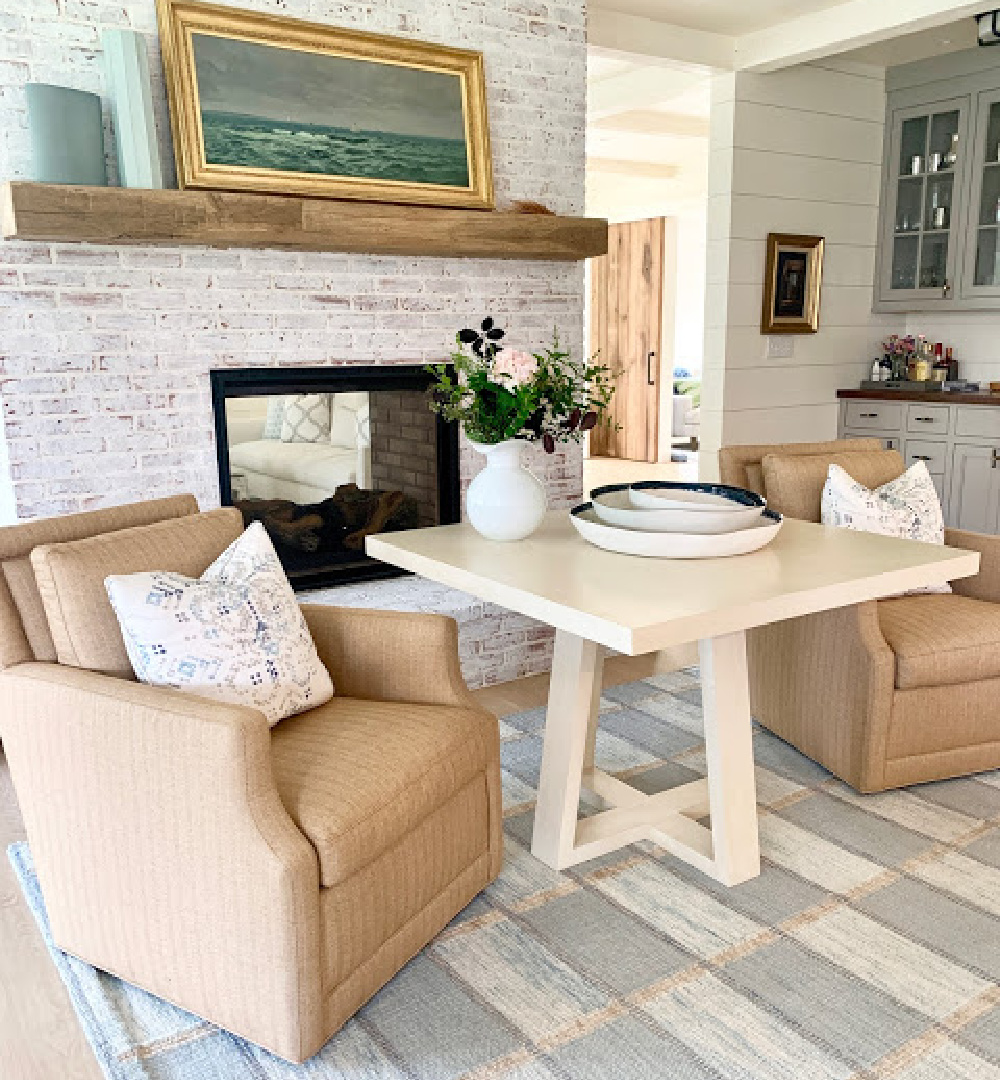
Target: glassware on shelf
[
  {"x": 916, "y": 165},
  {"x": 951, "y": 158}
]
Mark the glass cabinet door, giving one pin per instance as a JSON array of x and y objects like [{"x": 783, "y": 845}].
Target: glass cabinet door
[
  {"x": 927, "y": 160},
  {"x": 983, "y": 271}
]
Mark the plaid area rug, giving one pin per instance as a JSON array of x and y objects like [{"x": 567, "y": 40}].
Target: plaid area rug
[{"x": 868, "y": 949}]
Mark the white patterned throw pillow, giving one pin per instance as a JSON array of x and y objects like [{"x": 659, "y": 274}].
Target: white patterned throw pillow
[
  {"x": 907, "y": 507},
  {"x": 275, "y": 417},
  {"x": 237, "y": 634},
  {"x": 306, "y": 418}
]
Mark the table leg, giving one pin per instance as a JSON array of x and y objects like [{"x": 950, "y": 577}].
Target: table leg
[
  {"x": 729, "y": 754},
  {"x": 570, "y": 734},
  {"x": 728, "y": 851}
]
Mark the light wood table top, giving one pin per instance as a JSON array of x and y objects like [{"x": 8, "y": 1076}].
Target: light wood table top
[{"x": 636, "y": 605}]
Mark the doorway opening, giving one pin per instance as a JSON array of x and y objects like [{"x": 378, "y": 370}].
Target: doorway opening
[{"x": 647, "y": 172}]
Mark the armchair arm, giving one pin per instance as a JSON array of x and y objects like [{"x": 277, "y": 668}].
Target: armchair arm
[
  {"x": 162, "y": 847},
  {"x": 986, "y": 584},
  {"x": 390, "y": 655},
  {"x": 825, "y": 684}
]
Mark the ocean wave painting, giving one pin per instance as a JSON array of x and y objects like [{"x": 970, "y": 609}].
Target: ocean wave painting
[
  {"x": 316, "y": 113},
  {"x": 296, "y": 146}
]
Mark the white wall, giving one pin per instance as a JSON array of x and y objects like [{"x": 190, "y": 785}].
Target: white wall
[{"x": 795, "y": 151}]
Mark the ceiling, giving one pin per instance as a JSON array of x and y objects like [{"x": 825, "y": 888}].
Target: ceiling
[
  {"x": 647, "y": 136},
  {"x": 732, "y": 17},
  {"x": 907, "y": 48}
]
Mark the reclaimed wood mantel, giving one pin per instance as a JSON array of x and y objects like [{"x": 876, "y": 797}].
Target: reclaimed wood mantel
[{"x": 110, "y": 215}]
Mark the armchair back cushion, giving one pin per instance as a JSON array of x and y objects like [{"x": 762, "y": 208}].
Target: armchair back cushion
[
  {"x": 70, "y": 577},
  {"x": 24, "y": 628},
  {"x": 793, "y": 485},
  {"x": 741, "y": 465}
]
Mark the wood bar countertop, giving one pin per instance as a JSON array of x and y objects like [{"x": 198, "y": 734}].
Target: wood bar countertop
[{"x": 949, "y": 397}]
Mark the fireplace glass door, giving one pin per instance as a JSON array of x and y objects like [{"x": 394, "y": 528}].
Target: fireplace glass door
[{"x": 323, "y": 466}]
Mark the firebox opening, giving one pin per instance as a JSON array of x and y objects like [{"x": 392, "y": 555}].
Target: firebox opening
[{"x": 325, "y": 457}]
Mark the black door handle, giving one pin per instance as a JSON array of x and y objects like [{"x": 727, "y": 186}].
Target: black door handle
[{"x": 649, "y": 369}]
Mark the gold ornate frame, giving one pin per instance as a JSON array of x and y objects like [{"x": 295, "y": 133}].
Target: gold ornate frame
[
  {"x": 179, "y": 19},
  {"x": 812, "y": 248}
]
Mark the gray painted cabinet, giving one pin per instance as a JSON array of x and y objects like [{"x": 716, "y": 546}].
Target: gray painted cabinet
[
  {"x": 959, "y": 443},
  {"x": 939, "y": 246}
]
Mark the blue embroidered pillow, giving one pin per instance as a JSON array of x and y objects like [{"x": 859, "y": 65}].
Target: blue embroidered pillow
[{"x": 237, "y": 634}]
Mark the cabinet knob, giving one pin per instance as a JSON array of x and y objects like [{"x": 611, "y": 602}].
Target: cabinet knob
[
  {"x": 925, "y": 419},
  {"x": 927, "y": 457},
  {"x": 946, "y": 290},
  {"x": 993, "y": 463},
  {"x": 868, "y": 415}
]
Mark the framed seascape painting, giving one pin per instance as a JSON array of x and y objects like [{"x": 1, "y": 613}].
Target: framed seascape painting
[
  {"x": 792, "y": 278},
  {"x": 269, "y": 104}
]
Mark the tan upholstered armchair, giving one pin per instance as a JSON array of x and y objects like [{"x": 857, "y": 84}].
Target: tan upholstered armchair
[
  {"x": 888, "y": 692},
  {"x": 267, "y": 880}
]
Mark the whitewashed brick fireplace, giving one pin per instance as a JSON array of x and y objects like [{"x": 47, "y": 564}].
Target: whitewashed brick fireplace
[{"x": 105, "y": 351}]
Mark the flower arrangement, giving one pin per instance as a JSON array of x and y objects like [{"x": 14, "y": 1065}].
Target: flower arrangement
[
  {"x": 902, "y": 352},
  {"x": 545, "y": 396}
]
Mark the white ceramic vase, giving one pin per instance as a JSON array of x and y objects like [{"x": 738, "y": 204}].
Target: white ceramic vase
[{"x": 505, "y": 501}]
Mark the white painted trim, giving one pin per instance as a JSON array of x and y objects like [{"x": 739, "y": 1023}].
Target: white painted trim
[
  {"x": 614, "y": 33},
  {"x": 849, "y": 25}
]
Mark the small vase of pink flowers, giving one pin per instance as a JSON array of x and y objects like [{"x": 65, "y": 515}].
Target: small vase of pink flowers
[{"x": 505, "y": 399}]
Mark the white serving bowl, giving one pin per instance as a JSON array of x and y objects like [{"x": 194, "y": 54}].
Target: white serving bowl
[
  {"x": 708, "y": 502},
  {"x": 674, "y": 545},
  {"x": 629, "y": 508}
]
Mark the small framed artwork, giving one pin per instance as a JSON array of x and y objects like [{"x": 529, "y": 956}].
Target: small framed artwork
[
  {"x": 269, "y": 104},
  {"x": 792, "y": 280}
]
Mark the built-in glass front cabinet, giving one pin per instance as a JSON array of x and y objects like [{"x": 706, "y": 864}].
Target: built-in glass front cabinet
[
  {"x": 985, "y": 272},
  {"x": 940, "y": 237}
]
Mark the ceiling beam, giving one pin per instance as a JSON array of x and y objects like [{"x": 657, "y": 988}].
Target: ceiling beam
[
  {"x": 849, "y": 25},
  {"x": 655, "y": 122},
  {"x": 634, "y": 89},
  {"x": 645, "y": 170},
  {"x": 616, "y": 33}
]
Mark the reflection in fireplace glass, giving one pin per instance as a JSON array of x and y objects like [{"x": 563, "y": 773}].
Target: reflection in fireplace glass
[{"x": 323, "y": 471}]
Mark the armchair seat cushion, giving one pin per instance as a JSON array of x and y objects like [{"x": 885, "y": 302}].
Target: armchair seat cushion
[
  {"x": 358, "y": 776},
  {"x": 941, "y": 640}
]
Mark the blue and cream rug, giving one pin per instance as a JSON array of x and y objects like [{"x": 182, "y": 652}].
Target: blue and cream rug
[{"x": 869, "y": 948}]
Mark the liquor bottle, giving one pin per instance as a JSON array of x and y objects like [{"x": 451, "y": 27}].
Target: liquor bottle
[{"x": 949, "y": 359}]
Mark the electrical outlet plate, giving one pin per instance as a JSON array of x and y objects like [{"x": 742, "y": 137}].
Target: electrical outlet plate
[{"x": 780, "y": 346}]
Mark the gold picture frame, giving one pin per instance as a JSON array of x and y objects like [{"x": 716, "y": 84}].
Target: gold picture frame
[
  {"x": 792, "y": 279},
  {"x": 277, "y": 97}
]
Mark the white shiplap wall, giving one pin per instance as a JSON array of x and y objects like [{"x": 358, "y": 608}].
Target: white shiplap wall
[{"x": 796, "y": 151}]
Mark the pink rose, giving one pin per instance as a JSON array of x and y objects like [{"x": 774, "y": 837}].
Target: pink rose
[{"x": 519, "y": 367}]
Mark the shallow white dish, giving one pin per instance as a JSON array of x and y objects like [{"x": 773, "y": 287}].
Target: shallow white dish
[
  {"x": 674, "y": 545},
  {"x": 620, "y": 505},
  {"x": 709, "y": 502}
]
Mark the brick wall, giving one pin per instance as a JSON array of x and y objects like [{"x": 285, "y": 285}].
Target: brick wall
[
  {"x": 404, "y": 448},
  {"x": 105, "y": 352}
]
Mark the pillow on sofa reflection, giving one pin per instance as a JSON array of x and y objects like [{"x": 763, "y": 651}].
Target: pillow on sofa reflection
[
  {"x": 306, "y": 418},
  {"x": 236, "y": 634},
  {"x": 907, "y": 507}
]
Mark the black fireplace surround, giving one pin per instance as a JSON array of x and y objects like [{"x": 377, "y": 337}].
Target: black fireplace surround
[{"x": 318, "y": 495}]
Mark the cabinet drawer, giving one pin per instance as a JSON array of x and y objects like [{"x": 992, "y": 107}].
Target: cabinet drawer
[
  {"x": 873, "y": 414},
  {"x": 933, "y": 453},
  {"x": 981, "y": 421},
  {"x": 890, "y": 442},
  {"x": 927, "y": 419}
]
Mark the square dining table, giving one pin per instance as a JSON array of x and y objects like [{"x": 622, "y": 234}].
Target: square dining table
[{"x": 599, "y": 601}]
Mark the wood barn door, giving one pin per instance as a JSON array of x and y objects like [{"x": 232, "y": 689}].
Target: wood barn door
[{"x": 626, "y": 318}]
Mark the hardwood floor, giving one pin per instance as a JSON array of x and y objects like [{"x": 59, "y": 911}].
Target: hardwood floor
[{"x": 40, "y": 1037}]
